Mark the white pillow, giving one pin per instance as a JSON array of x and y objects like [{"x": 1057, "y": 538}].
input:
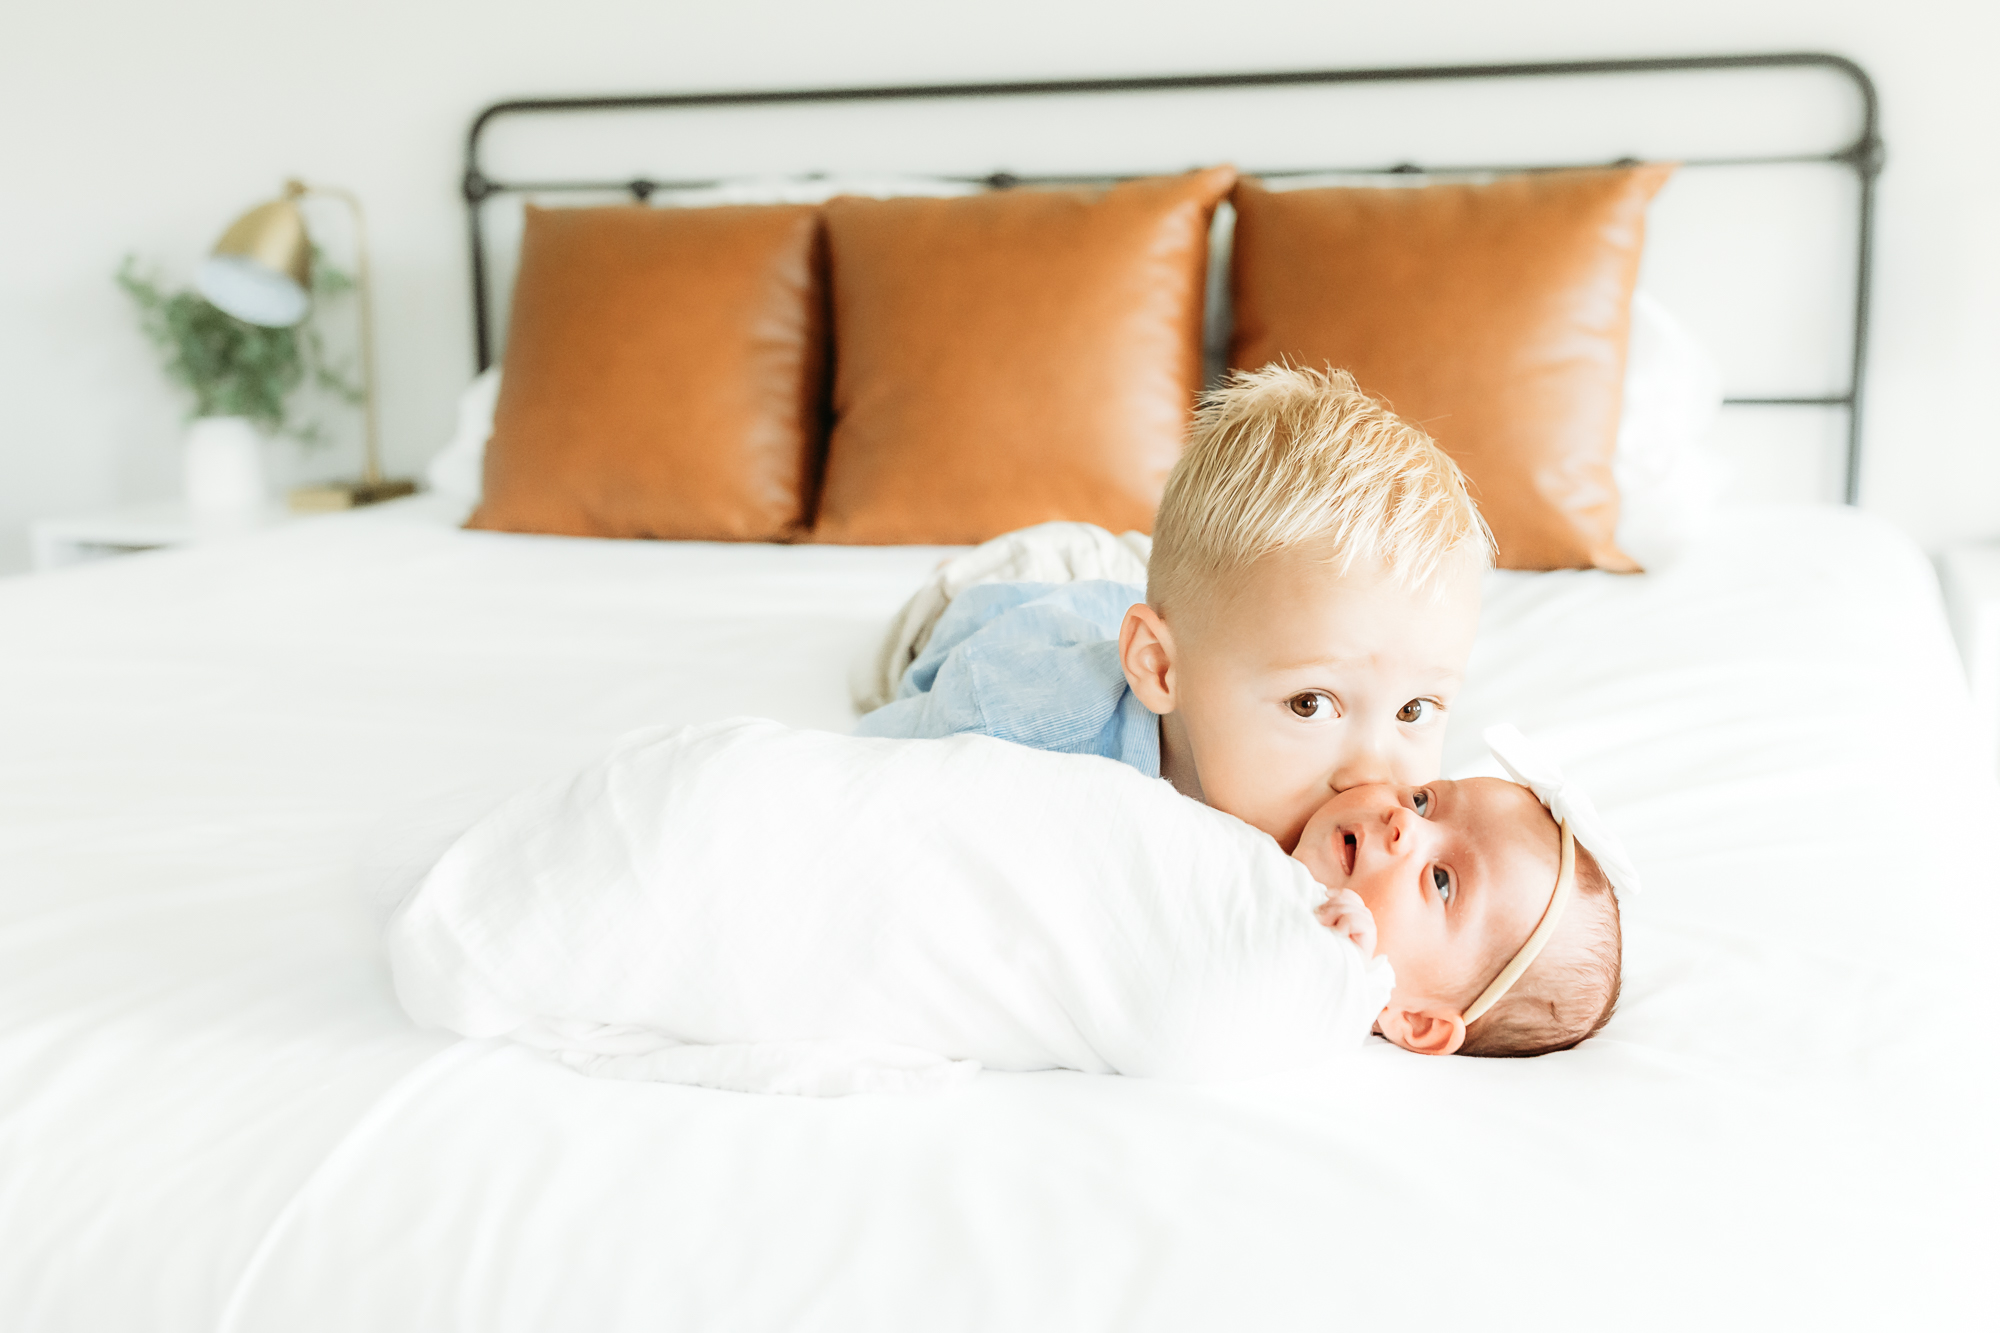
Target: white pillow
[
  {"x": 1667, "y": 486},
  {"x": 458, "y": 470},
  {"x": 813, "y": 190}
]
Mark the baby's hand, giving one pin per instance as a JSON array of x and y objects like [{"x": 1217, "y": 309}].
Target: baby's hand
[{"x": 1344, "y": 913}]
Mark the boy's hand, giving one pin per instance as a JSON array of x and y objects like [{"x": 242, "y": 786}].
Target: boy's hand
[{"x": 1344, "y": 913}]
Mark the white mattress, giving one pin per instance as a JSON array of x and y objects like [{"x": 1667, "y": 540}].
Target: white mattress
[{"x": 213, "y": 1114}]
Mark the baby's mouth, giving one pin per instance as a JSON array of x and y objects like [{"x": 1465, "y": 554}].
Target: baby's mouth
[{"x": 1347, "y": 852}]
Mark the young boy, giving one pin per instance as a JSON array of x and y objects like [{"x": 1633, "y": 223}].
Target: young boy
[{"x": 1310, "y": 605}]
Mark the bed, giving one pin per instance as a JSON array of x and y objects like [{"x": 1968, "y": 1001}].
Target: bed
[{"x": 214, "y": 1115}]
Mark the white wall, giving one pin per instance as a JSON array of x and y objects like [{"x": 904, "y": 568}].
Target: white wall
[{"x": 143, "y": 127}]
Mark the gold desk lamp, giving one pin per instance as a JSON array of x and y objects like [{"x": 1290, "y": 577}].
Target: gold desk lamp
[{"x": 261, "y": 272}]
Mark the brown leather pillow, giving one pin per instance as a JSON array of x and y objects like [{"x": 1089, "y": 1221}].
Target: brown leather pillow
[
  {"x": 1013, "y": 357},
  {"x": 664, "y": 375},
  {"x": 1495, "y": 316}
]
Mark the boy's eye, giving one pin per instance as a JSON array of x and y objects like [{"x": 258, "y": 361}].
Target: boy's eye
[
  {"x": 1441, "y": 881},
  {"x": 1416, "y": 710},
  {"x": 1420, "y": 801},
  {"x": 1312, "y": 704}
]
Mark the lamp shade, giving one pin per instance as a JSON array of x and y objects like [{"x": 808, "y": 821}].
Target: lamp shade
[{"x": 261, "y": 269}]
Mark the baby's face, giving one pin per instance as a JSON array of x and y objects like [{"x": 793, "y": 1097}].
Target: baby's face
[
  {"x": 1306, "y": 682},
  {"x": 1456, "y": 875}
]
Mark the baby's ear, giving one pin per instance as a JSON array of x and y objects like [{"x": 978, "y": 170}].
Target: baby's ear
[
  {"x": 1425, "y": 1031},
  {"x": 1146, "y": 652}
]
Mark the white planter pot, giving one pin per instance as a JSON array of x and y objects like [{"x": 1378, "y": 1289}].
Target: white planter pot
[{"x": 222, "y": 466}]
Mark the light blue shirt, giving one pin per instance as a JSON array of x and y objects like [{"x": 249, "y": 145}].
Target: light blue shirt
[{"x": 1034, "y": 663}]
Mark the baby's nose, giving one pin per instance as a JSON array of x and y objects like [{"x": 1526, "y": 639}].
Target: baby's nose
[{"x": 1396, "y": 826}]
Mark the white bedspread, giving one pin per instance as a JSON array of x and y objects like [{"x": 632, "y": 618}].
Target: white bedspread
[
  {"x": 744, "y": 905},
  {"x": 213, "y": 1113}
]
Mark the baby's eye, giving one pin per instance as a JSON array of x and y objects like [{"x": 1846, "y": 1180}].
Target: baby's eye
[
  {"x": 1313, "y": 704},
  {"x": 1417, "y": 710},
  {"x": 1441, "y": 881},
  {"x": 1420, "y": 801}
]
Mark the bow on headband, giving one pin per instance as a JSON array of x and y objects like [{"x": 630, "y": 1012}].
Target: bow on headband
[{"x": 1528, "y": 765}]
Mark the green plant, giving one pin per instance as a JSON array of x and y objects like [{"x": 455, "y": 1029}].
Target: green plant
[{"x": 236, "y": 369}]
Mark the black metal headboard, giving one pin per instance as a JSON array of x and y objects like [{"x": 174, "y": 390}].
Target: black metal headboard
[{"x": 1863, "y": 156}]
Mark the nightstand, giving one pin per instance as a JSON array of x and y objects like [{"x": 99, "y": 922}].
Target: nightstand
[
  {"x": 1971, "y": 578},
  {"x": 59, "y": 542}
]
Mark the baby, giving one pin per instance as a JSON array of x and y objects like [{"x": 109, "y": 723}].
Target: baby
[
  {"x": 743, "y": 905},
  {"x": 1446, "y": 880},
  {"x": 1309, "y": 607}
]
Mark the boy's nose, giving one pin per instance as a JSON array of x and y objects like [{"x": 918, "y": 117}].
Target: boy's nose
[
  {"x": 1361, "y": 764},
  {"x": 1384, "y": 830}
]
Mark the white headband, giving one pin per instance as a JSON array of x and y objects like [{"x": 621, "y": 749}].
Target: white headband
[{"x": 1580, "y": 823}]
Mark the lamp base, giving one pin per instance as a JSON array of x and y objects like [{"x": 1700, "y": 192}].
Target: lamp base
[{"x": 326, "y": 497}]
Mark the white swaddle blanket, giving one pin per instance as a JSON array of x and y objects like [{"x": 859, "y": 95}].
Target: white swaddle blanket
[{"x": 746, "y": 906}]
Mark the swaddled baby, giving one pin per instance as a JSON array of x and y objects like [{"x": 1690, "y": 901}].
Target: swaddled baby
[{"x": 747, "y": 906}]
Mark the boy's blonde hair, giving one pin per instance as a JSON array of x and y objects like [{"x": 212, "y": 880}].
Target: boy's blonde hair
[{"x": 1282, "y": 458}]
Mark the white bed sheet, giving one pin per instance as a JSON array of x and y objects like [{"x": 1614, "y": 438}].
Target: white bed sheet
[{"x": 213, "y": 1114}]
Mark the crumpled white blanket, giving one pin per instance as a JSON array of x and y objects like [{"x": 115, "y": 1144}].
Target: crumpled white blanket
[
  {"x": 741, "y": 905},
  {"x": 1044, "y": 553}
]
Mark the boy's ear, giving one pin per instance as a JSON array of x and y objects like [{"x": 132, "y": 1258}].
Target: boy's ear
[
  {"x": 1146, "y": 651},
  {"x": 1438, "y": 1031}
]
